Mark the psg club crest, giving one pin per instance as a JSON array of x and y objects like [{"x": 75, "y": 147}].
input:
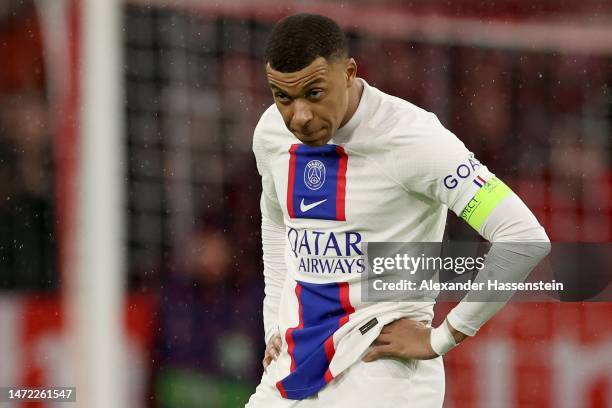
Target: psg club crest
[
  {"x": 317, "y": 182},
  {"x": 314, "y": 174}
]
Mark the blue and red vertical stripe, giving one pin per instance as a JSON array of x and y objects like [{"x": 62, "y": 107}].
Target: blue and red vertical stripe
[
  {"x": 323, "y": 309},
  {"x": 317, "y": 182}
]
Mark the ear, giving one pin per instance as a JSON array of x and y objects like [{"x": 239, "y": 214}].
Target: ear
[{"x": 350, "y": 72}]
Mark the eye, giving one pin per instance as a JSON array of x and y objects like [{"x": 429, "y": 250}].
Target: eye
[
  {"x": 315, "y": 94},
  {"x": 281, "y": 97}
]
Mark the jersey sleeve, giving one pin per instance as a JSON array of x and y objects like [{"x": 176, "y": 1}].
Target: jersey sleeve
[
  {"x": 270, "y": 206},
  {"x": 273, "y": 242},
  {"x": 433, "y": 162}
]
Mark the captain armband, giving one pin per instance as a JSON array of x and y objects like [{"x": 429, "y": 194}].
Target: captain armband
[{"x": 485, "y": 200}]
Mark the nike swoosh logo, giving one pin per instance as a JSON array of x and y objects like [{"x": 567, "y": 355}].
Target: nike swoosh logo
[{"x": 308, "y": 207}]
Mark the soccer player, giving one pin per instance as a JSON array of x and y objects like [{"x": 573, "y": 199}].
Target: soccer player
[{"x": 343, "y": 163}]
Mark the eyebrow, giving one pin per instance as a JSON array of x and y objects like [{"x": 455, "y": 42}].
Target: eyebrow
[{"x": 308, "y": 84}]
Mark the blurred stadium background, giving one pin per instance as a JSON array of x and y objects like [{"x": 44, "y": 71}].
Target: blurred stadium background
[{"x": 168, "y": 314}]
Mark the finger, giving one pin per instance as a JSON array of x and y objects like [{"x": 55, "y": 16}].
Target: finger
[
  {"x": 404, "y": 324},
  {"x": 374, "y": 355},
  {"x": 378, "y": 352},
  {"x": 385, "y": 338},
  {"x": 276, "y": 341},
  {"x": 265, "y": 362},
  {"x": 391, "y": 326},
  {"x": 387, "y": 329},
  {"x": 380, "y": 342},
  {"x": 271, "y": 353}
]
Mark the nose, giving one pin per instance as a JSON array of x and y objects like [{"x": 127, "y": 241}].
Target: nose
[{"x": 301, "y": 115}]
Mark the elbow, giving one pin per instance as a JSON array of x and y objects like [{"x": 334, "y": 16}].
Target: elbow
[
  {"x": 543, "y": 249},
  {"x": 531, "y": 241},
  {"x": 540, "y": 243}
]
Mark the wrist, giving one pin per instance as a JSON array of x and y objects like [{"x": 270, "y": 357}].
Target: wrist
[
  {"x": 442, "y": 339},
  {"x": 457, "y": 335}
]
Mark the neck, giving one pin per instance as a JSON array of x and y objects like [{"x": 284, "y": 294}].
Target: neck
[{"x": 355, "y": 92}]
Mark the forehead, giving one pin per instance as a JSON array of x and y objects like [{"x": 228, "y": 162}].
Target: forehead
[{"x": 319, "y": 69}]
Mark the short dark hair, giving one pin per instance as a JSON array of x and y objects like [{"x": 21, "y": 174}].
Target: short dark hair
[{"x": 296, "y": 41}]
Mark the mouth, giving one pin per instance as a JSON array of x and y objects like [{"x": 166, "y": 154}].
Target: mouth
[{"x": 311, "y": 135}]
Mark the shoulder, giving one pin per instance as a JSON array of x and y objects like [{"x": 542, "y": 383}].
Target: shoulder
[
  {"x": 405, "y": 125},
  {"x": 269, "y": 124},
  {"x": 269, "y": 132},
  {"x": 269, "y": 120}
]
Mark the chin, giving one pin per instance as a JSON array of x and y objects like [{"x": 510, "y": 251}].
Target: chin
[{"x": 315, "y": 141}]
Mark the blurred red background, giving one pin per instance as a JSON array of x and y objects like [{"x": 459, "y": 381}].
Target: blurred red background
[{"x": 539, "y": 117}]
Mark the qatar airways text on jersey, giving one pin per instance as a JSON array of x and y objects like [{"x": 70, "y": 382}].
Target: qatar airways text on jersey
[{"x": 326, "y": 252}]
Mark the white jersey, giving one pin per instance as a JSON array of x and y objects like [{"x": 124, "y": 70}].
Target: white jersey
[{"x": 389, "y": 175}]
